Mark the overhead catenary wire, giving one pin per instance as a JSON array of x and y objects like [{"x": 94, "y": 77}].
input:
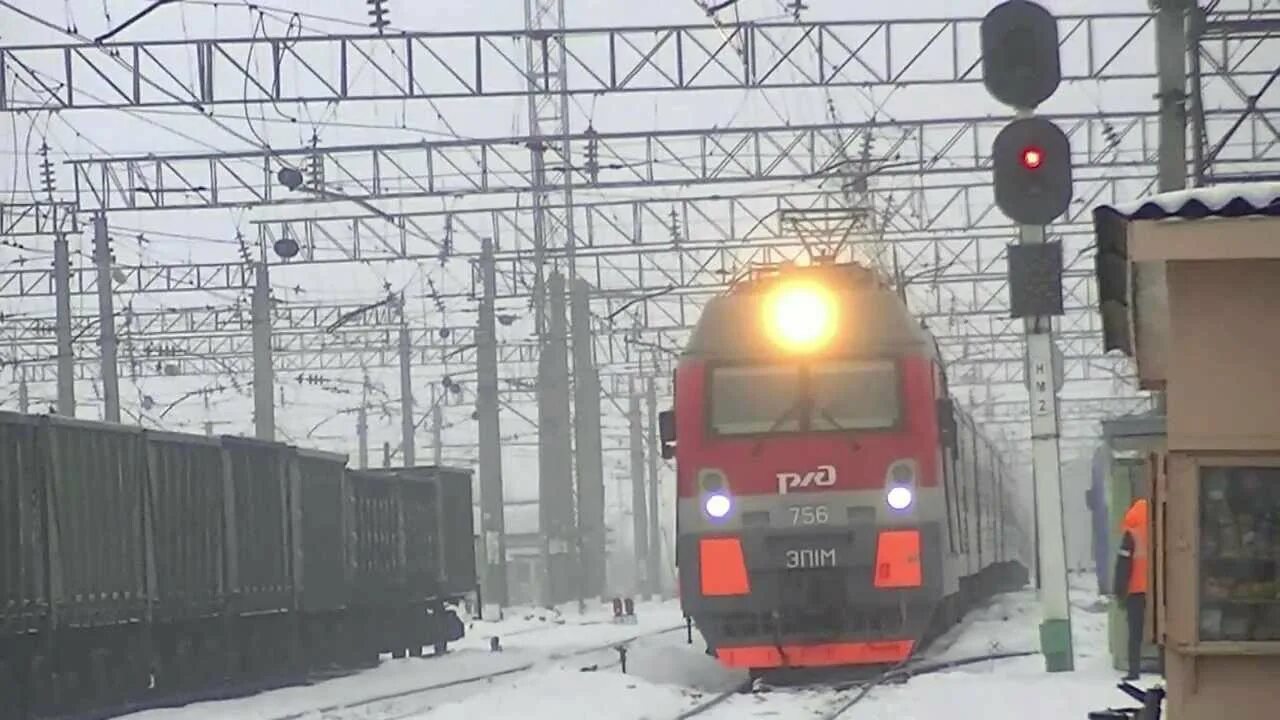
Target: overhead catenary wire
[{"x": 155, "y": 5}]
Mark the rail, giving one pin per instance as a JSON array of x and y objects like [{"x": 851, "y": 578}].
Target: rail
[
  {"x": 524, "y": 667},
  {"x": 849, "y": 696}
]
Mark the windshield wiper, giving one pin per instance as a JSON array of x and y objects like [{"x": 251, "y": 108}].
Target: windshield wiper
[
  {"x": 854, "y": 445},
  {"x": 796, "y": 406}
]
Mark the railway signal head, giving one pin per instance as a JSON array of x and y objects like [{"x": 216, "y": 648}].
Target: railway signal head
[
  {"x": 1032, "y": 162},
  {"x": 1020, "y": 63},
  {"x": 800, "y": 316}
]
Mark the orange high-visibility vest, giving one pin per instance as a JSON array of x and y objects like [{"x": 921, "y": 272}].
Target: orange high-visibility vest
[{"x": 1136, "y": 524}]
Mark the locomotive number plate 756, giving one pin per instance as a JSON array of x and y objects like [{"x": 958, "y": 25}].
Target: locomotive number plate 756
[{"x": 810, "y": 515}]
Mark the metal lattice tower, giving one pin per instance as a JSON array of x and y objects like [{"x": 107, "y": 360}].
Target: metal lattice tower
[
  {"x": 546, "y": 71},
  {"x": 549, "y": 133}
]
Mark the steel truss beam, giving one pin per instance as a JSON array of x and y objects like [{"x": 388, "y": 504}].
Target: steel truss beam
[
  {"x": 138, "y": 348},
  {"x": 1240, "y": 52},
  {"x": 612, "y": 228},
  {"x": 159, "y": 336},
  {"x": 334, "y": 68},
  {"x": 966, "y": 298},
  {"x": 159, "y": 323},
  {"x": 919, "y": 150},
  {"x": 979, "y": 373},
  {"x": 162, "y": 335},
  {"x": 706, "y": 265},
  {"x": 976, "y": 360},
  {"x": 22, "y": 220}
]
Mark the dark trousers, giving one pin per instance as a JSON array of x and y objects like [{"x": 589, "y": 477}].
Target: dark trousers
[{"x": 1135, "y": 608}]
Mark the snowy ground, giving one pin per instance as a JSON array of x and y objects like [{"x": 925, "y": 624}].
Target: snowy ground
[
  {"x": 1011, "y": 689},
  {"x": 668, "y": 679},
  {"x": 528, "y": 637},
  {"x": 667, "y": 676}
]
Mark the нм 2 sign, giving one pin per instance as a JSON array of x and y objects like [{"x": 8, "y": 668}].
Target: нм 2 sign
[
  {"x": 824, "y": 476},
  {"x": 810, "y": 558}
]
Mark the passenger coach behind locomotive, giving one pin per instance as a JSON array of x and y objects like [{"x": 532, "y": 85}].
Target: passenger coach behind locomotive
[{"x": 834, "y": 508}]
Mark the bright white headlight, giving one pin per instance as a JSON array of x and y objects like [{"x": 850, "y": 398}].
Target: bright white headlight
[
  {"x": 717, "y": 505},
  {"x": 900, "y": 498}
]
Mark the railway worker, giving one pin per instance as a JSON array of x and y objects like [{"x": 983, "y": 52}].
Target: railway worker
[{"x": 1131, "y": 578}]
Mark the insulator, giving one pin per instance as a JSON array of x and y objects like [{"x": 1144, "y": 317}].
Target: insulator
[
  {"x": 48, "y": 181},
  {"x": 378, "y": 11},
  {"x": 593, "y": 155},
  {"x": 315, "y": 164}
]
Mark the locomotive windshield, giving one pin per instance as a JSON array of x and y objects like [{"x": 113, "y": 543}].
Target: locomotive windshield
[{"x": 753, "y": 399}]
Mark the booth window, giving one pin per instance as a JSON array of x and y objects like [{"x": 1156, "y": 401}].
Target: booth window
[{"x": 1239, "y": 554}]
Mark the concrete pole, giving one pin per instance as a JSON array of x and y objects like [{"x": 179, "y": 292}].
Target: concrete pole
[
  {"x": 588, "y": 452},
  {"x": 639, "y": 514},
  {"x": 437, "y": 432},
  {"x": 407, "y": 439},
  {"x": 534, "y": 72},
  {"x": 24, "y": 393},
  {"x": 66, "y": 353},
  {"x": 651, "y": 445},
  {"x": 1171, "y": 71},
  {"x": 362, "y": 426},
  {"x": 492, "y": 517},
  {"x": 555, "y": 448},
  {"x": 1055, "y": 629},
  {"x": 1195, "y": 21},
  {"x": 264, "y": 406},
  {"x": 106, "y": 319}
]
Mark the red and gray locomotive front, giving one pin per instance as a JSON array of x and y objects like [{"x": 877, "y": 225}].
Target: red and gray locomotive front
[{"x": 810, "y": 522}]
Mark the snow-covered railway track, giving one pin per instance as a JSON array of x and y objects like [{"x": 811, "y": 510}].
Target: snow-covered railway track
[
  {"x": 830, "y": 702},
  {"x": 344, "y": 709}
]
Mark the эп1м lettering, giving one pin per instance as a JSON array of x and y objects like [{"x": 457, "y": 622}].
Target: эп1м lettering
[{"x": 811, "y": 558}]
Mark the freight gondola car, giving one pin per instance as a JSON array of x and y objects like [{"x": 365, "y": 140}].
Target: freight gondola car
[
  {"x": 142, "y": 568},
  {"x": 835, "y": 507}
]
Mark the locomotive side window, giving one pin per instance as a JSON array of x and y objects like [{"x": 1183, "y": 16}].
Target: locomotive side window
[{"x": 751, "y": 399}]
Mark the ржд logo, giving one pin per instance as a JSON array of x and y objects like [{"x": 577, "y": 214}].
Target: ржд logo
[{"x": 824, "y": 476}]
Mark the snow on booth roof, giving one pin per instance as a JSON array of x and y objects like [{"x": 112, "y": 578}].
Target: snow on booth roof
[
  {"x": 1110, "y": 224},
  {"x": 1233, "y": 200}
]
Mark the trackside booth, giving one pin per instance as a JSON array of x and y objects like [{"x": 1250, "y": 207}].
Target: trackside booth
[
  {"x": 1189, "y": 286},
  {"x": 1131, "y": 445}
]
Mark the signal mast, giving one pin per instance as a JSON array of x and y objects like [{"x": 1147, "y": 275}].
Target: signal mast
[{"x": 1031, "y": 160}]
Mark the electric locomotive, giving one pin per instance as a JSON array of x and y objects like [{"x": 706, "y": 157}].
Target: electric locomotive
[{"x": 834, "y": 506}]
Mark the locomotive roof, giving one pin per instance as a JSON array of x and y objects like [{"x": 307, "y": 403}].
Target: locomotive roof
[{"x": 875, "y": 320}]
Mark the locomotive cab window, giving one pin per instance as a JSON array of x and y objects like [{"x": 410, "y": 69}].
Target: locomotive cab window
[
  {"x": 1240, "y": 554},
  {"x": 829, "y": 396}
]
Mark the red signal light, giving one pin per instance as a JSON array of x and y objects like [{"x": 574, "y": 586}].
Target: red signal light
[{"x": 1032, "y": 158}]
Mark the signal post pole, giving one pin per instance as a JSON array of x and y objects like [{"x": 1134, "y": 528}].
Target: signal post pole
[
  {"x": 1043, "y": 378},
  {"x": 1031, "y": 161}
]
